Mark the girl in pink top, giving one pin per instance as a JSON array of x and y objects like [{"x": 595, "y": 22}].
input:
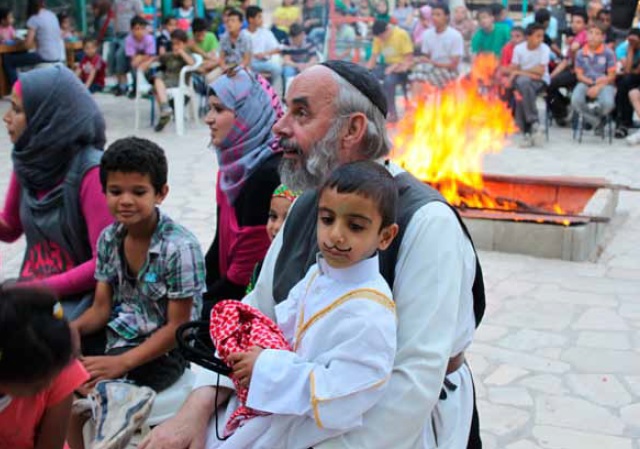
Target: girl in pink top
[
  {"x": 55, "y": 197},
  {"x": 7, "y": 32},
  {"x": 38, "y": 373}
]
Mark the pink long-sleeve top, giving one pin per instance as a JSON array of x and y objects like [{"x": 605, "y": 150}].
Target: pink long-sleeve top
[{"x": 96, "y": 214}]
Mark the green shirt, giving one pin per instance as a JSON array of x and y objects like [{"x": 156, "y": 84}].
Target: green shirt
[
  {"x": 209, "y": 44},
  {"x": 483, "y": 42}
]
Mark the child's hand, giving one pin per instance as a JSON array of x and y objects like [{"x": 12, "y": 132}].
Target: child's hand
[
  {"x": 242, "y": 364},
  {"x": 103, "y": 368}
]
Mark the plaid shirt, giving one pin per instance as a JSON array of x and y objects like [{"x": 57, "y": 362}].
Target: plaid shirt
[{"x": 174, "y": 269}]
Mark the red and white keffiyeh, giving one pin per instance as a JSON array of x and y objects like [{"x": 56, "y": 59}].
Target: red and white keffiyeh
[{"x": 236, "y": 327}]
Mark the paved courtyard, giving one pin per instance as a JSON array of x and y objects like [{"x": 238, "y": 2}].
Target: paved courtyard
[{"x": 557, "y": 358}]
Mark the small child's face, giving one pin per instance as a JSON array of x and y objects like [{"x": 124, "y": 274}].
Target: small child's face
[
  {"x": 9, "y": 20},
  {"x": 199, "y": 36},
  {"x": 66, "y": 24},
  {"x": 381, "y": 7},
  {"x": 349, "y": 228},
  {"x": 277, "y": 214},
  {"x": 486, "y": 20},
  {"x": 90, "y": 49},
  {"x": 233, "y": 24},
  {"x": 460, "y": 13},
  {"x": 177, "y": 45},
  {"x": 171, "y": 25},
  {"x": 535, "y": 39},
  {"x": 554, "y": 2},
  {"x": 595, "y": 37},
  {"x": 186, "y": 4},
  {"x": 139, "y": 32},
  {"x": 131, "y": 197},
  {"x": 517, "y": 37},
  {"x": 577, "y": 24}
]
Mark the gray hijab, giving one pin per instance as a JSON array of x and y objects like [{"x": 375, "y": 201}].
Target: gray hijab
[{"x": 62, "y": 120}]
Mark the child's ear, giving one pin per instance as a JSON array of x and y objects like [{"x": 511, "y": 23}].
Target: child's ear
[
  {"x": 162, "y": 194},
  {"x": 387, "y": 235}
]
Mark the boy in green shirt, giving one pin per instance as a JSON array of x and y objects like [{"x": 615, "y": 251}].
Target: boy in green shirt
[
  {"x": 491, "y": 36},
  {"x": 206, "y": 44}
]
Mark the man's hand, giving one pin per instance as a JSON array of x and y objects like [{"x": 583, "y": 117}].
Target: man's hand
[
  {"x": 242, "y": 364},
  {"x": 175, "y": 434},
  {"x": 104, "y": 368}
]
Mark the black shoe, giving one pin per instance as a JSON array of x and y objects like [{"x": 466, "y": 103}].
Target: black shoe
[
  {"x": 117, "y": 91},
  {"x": 621, "y": 132},
  {"x": 132, "y": 94},
  {"x": 162, "y": 122}
]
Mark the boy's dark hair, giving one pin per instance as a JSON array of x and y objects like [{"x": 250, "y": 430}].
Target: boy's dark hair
[
  {"x": 542, "y": 16},
  {"x": 169, "y": 18},
  {"x": 4, "y": 13},
  {"x": 135, "y": 155},
  {"x": 442, "y": 7},
  {"x": 179, "y": 35},
  {"x": 296, "y": 30},
  {"x": 485, "y": 11},
  {"x": 34, "y": 344},
  {"x": 368, "y": 179},
  {"x": 580, "y": 13},
  {"x": 89, "y": 40},
  {"x": 253, "y": 11},
  {"x": 237, "y": 13},
  {"x": 138, "y": 21},
  {"x": 598, "y": 26},
  {"x": 62, "y": 16},
  {"x": 517, "y": 29},
  {"x": 634, "y": 32},
  {"x": 199, "y": 24},
  {"x": 532, "y": 28},
  {"x": 379, "y": 27},
  {"x": 496, "y": 9}
]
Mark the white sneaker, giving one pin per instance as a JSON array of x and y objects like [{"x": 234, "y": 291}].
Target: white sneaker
[
  {"x": 526, "y": 141},
  {"x": 634, "y": 138},
  {"x": 537, "y": 135}
]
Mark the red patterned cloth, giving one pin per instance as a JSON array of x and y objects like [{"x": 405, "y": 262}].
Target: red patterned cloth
[{"x": 236, "y": 327}]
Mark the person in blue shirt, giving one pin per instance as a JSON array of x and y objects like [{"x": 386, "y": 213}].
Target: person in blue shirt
[{"x": 628, "y": 53}]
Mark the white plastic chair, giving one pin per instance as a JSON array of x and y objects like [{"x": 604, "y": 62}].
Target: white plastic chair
[{"x": 178, "y": 94}]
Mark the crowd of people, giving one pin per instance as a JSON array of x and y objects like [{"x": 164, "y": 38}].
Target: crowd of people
[{"x": 339, "y": 293}]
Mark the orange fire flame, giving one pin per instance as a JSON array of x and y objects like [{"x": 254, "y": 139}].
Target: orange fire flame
[{"x": 446, "y": 135}]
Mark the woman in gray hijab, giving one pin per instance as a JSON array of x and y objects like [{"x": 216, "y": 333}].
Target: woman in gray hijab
[{"x": 55, "y": 197}]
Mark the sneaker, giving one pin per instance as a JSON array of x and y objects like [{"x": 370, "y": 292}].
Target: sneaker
[
  {"x": 634, "y": 138},
  {"x": 537, "y": 134},
  {"x": 121, "y": 409},
  {"x": 526, "y": 141},
  {"x": 165, "y": 118}
]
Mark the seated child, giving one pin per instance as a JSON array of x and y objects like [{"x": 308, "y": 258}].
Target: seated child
[
  {"x": 168, "y": 74},
  {"x": 528, "y": 75},
  {"x": 596, "y": 73},
  {"x": 184, "y": 13},
  {"x": 150, "y": 273},
  {"x": 66, "y": 28},
  {"x": 235, "y": 44},
  {"x": 38, "y": 373},
  {"x": 7, "y": 32},
  {"x": 163, "y": 41},
  {"x": 281, "y": 201},
  {"x": 345, "y": 341},
  {"x": 92, "y": 68},
  {"x": 139, "y": 48},
  {"x": 206, "y": 45}
]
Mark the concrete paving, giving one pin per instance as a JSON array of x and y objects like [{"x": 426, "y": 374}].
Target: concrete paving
[{"x": 557, "y": 358}]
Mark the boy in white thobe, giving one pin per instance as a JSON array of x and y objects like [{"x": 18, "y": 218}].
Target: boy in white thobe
[{"x": 340, "y": 320}]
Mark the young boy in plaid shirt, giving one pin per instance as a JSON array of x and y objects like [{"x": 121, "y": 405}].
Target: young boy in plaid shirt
[{"x": 150, "y": 273}]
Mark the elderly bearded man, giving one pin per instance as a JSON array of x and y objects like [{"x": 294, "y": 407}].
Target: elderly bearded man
[{"x": 336, "y": 114}]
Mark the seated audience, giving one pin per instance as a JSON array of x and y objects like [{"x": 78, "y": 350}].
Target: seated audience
[
  {"x": 628, "y": 80},
  {"x": 604, "y": 18},
  {"x": 461, "y": 20},
  {"x": 346, "y": 38},
  {"x": 558, "y": 11},
  {"x": 300, "y": 54},
  {"x": 184, "y": 14},
  {"x": 596, "y": 74},
  {"x": 235, "y": 44},
  {"x": 103, "y": 19},
  {"x": 43, "y": 34},
  {"x": 7, "y": 32},
  {"x": 552, "y": 28},
  {"x": 404, "y": 15},
  {"x": 92, "y": 68},
  {"x": 381, "y": 10},
  {"x": 119, "y": 64},
  {"x": 441, "y": 52},
  {"x": 314, "y": 20},
  {"x": 67, "y": 30},
  {"x": 163, "y": 41},
  {"x": 593, "y": 8},
  {"x": 265, "y": 47},
  {"x": 168, "y": 74},
  {"x": 529, "y": 73},
  {"x": 563, "y": 75},
  {"x": 139, "y": 48},
  {"x": 490, "y": 36},
  {"x": 501, "y": 14},
  {"x": 422, "y": 24},
  {"x": 394, "y": 44},
  {"x": 503, "y": 72},
  {"x": 205, "y": 44},
  {"x": 286, "y": 15}
]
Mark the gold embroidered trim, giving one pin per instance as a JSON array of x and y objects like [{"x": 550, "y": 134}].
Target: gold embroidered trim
[
  {"x": 363, "y": 293},
  {"x": 315, "y": 400}
]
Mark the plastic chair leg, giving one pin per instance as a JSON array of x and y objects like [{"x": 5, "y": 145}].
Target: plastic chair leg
[{"x": 178, "y": 101}]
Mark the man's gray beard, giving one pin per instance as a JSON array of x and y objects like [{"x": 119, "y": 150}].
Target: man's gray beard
[{"x": 308, "y": 172}]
